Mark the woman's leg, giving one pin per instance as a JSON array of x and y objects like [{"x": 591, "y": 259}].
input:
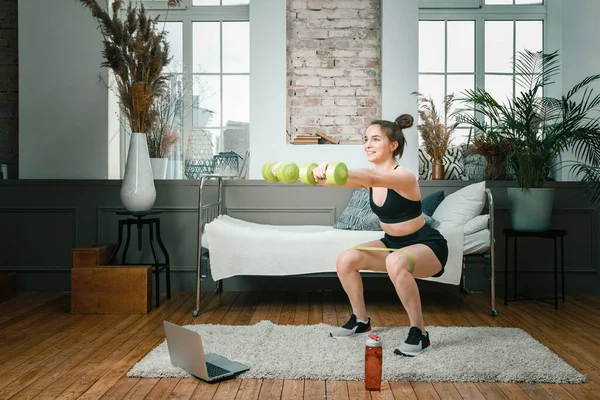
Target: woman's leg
[
  {"x": 426, "y": 264},
  {"x": 348, "y": 265}
]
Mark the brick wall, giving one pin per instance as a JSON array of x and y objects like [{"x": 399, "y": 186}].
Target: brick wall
[
  {"x": 333, "y": 67},
  {"x": 9, "y": 83}
]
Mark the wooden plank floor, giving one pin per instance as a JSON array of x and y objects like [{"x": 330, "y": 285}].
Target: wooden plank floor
[{"x": 48, "y": 353}]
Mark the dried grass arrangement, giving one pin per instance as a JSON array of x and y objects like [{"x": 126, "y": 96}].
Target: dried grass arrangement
[
  {"x": 161, "y": 141},
  {"x": 136, "y": 50},
  {"x": 167, "y": 112},
  {"x": 495, "y": 150},
  {"x": 436, "y": 135},
  {"x": 490, "y": 148}
]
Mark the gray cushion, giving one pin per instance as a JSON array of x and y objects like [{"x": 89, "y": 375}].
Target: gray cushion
[
  {"x": 431, "y": 202},
  {"x": 430, "y": 221},
  {"x": 474, "y": 165},
  {"x": 357, "y": 215}
]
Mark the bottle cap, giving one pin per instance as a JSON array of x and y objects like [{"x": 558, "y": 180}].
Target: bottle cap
[{"x": 373, "y": 340}]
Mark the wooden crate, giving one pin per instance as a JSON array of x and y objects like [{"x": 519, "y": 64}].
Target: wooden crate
[
  {"x": 90, "y": 256},
  {"x": 8, "y": 285},
  {"x": 111, "y": 289}
]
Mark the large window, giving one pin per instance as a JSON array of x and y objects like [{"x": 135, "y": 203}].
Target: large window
[
  {"x": 462, "y": 49},
  {"x": 209, "y": 80}
]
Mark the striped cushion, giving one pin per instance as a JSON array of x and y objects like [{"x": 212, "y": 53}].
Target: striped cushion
[
  {"x": 357, "y": 215},
  {"x": 425, "y": 164},
  {"x": 454, "y": 167}
]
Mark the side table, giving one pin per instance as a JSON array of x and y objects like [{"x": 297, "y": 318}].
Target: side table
[
  {"x": 553, "y": 234},
  {"x": 139, "y": 219}
]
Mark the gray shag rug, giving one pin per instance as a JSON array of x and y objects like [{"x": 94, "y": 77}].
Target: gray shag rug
[{"x": 457, "y": 354}]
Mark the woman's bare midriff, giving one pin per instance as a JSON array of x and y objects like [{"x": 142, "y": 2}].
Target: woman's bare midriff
[
  {"x": 404, "y": 228},
  {"x": 399, "y": 228}
]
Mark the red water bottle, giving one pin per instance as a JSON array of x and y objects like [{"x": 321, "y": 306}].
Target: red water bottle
[{"x": 373, "y": 363}]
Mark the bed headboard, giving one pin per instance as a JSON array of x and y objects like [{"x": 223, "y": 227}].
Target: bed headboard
[{"x": 206, "y": 213}]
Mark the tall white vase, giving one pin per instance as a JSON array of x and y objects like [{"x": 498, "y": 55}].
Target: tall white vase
[{"x": 137, "y": 190}]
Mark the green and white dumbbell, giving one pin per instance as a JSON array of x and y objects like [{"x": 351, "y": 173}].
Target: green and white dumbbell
[
  {"x": 336, "y": 174},
  {"x": 286, "y": 172}
]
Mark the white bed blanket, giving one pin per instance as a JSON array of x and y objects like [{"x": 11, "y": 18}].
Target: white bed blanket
[{"x": 244, "y": 248}]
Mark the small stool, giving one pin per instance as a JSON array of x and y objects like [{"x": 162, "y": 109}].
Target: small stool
[
  {"x": 549, "y": 234},
  {"x": 139, "y": 220}
]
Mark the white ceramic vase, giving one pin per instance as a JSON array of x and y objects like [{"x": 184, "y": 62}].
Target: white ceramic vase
[
  {"x": 159, "y": 167},
  {"x": 137, "y": 190}
]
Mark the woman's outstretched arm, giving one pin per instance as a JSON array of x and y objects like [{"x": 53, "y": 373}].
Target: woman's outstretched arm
[{"x": 399, "y": 179}]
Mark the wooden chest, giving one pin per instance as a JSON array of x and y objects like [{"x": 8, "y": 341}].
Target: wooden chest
[
  {"x": 111, "y": 289},
  {"x": 8, "y": 285},
  {"x": 89, "y": 256}
]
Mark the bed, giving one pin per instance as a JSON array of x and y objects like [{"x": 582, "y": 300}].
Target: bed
[{"x": 288, "y": 255}]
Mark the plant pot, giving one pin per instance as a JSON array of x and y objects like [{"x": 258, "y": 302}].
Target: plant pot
[
  {"x": 437, "y": 173},
  {"x": 530, "y": 210},
  {"x": 495, "y": 168},
  {"x": 137, "y": 190},
  {"x": 159, "y": 167}
]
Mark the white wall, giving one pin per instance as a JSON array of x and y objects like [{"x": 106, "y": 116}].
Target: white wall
[
  {"x": 63, "y": 120},
  {"x": 268, "y": 86},
  {"x": 115, "y": 155},
  {"x": 400, "y": 69},
  {"x": 580, "y": 51}
]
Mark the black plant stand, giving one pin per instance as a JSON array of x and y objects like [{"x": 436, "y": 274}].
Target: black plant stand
[
  {"x": 139, "y": 220},
  {"x": 553, "y": 234}
]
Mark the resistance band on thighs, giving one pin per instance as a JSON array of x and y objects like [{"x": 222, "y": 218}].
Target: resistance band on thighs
[{"x": 411, "y": 260}]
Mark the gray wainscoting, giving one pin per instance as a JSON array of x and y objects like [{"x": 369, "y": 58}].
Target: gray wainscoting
[{"x": 42, "y": 220}]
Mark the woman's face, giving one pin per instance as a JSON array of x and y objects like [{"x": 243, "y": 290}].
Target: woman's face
[{"x": 377, "y": 146}]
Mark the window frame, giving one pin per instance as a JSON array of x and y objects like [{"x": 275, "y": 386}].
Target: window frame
[
  {"x": 515, "y": 12},
  {"x": 187, "y": 15},
  {"x": 158, "y": 4},
  {"x": 453, "y": 4}
]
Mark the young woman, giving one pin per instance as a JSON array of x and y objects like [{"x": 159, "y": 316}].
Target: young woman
[{"x": 415, "y": 249}]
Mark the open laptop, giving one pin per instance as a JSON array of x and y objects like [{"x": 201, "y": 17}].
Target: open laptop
[{"x": 186, "y": 352}]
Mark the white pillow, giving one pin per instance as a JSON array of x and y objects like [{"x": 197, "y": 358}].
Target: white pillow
[
  {"x": 477, "y": 224},
  {"x": 460, "y": 207}
]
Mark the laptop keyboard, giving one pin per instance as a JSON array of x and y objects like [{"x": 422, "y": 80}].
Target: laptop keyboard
[{"x": 214, "y": 370}]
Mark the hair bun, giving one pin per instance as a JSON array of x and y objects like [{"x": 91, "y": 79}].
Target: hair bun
[{"x": 405, "y": 121}]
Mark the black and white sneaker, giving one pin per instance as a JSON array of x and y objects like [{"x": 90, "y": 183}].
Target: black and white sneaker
[
  {"x": 415, "y": 343},
  {"x": 352, "y": 328}
]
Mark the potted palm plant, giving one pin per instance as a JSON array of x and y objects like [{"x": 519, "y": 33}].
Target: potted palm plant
[{"x": 538, "y": 129}]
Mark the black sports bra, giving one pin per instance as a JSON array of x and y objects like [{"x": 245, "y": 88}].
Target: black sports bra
[{"x": 395, "y": 208}]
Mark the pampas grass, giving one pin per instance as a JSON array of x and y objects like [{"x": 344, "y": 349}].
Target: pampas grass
[
  {"x": 436, "y": 135},
  {"x": 136, "y": 50}
]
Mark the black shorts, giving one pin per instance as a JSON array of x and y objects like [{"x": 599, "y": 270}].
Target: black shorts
[{"x": 428, "y": 236}]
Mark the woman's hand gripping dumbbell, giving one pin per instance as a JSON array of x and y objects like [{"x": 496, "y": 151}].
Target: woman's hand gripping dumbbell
[{"x": 336, "y": 174}]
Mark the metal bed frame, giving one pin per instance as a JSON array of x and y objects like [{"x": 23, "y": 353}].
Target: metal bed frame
[{"x": 208, "y": 212}]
